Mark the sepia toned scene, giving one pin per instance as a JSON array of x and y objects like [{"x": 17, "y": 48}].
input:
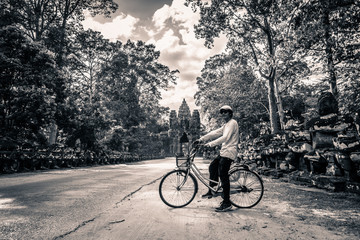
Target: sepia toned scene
[{"x": 180, "y": 119}]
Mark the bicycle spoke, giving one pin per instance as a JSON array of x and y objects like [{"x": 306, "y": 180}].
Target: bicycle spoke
[
  {"x": 246, "y": 188},
  {"x": 174, "y": 191}
]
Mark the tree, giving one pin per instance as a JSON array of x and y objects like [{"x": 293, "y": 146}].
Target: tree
[
  {"x": 35, "y": 16},
  {"x": 226, "y": 80},
  {"x": 349, "y": 99},
  {"x": 329, "y": 29},
  {"x": 133, "y": 80},
  {"x": 27, "y": 88},
  {"x": 90, "y": 51},
  {"x": 7, "y": 14},
  {"x": 258, "y": 29},
  {"x": 71, "y": 12},
  {"x": 44, "y": 19},
  {"x": 55, "y": 23},
  {"x": 130, "y": 92}
]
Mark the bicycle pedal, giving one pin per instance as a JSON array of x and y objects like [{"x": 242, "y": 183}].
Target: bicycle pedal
[
  {"x": 207, "y": 195},
  {"x": 217, "y": 194}
]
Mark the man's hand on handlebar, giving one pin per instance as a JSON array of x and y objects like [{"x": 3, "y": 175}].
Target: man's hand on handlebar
[{"x": 196, "y": 142}]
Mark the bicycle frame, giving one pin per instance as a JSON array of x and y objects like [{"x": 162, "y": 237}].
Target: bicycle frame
[
  {"x": 178, "y": 187},
  {"x": 192, "y": 168}
]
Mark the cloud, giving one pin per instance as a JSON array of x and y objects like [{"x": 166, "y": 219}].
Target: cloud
[
  {"x": 176, "y": 25},
  {"x": 168, "y": 42},
  {"x": 172, "y": 32},
  {"x": 122, "y": 27},
  {"x": 143, "y": 9},
  {"x": 160, "y": 17},
  {"x": 183, "y": 90}
]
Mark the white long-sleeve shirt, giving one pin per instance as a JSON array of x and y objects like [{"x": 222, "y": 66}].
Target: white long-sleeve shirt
[{"x": 227, "y": 136}]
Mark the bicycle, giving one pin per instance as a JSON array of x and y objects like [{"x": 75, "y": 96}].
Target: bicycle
[{"x": 178, "y": 187}]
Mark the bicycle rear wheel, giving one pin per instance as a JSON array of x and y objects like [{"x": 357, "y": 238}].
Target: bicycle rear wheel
[
  {"x": 246, "y": 188},
  {"x": 175, "y": 190}
]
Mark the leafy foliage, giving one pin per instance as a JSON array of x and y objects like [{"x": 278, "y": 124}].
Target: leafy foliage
[
  {"x": 131, "y": 83},
  {"x": 258, "y": 31},
  {"x": 329, "y": 29},
  {"x": 286, "y": 41},
  {"x": 76, "y": 79},
  {"x": 27, "y": 89},
  {"x": 107, "y": 93},
  {"x": 223, "y": 81}
]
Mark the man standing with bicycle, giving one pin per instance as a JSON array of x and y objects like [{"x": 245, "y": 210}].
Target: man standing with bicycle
[{"x": 228, "y": 137}]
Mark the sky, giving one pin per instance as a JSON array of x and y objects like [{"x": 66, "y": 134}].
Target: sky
[{"x": 169, "y": 25}]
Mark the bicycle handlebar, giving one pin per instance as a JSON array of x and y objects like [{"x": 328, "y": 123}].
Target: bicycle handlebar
[{"x": 195, "y": 148}]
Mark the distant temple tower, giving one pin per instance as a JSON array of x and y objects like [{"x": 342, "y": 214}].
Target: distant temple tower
[
  {"x": 183, "y": 126},
  {"x": 184, "y": 116}
]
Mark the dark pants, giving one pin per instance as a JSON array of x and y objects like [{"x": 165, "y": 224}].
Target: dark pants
[{"x": 220, "y": 167}]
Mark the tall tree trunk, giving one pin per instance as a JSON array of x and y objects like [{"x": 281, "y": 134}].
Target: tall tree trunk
[
  {"x": 60, "y": 64},
  {"x": 272, "y": 107},
  {"x": 329, "y": 53},
  {"x": 279, "y": 105},
  {"x": 274, "y": 119},
  {"x": 53, "y": 133}
]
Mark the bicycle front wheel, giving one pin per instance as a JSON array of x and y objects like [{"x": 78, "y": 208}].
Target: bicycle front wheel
[
  {"x": 176, "y": 189},
  {"x": 246, "y": 188}
]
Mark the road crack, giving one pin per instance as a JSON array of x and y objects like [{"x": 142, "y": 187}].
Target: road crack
[
  {"x": 119, "y": 221},
  {"x": 137, "y": 190},
  {"x": 75, "y": 229},
  {"x": 114, "y": 222}
]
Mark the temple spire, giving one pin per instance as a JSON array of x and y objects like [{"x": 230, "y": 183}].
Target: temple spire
[{"x": 184, "y": 116}]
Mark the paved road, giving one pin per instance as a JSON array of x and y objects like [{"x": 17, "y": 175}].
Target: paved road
[
  {"x": 48, "y": 204},
  {"x": 122, "y": 202}
]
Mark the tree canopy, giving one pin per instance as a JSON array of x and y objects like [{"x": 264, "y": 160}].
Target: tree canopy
[
  {"x": 283, "y": 42},
  {"x": 62, "y": 83},
  {"x": 57, "y": 78}
]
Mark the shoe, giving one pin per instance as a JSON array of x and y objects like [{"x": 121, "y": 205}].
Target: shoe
[
  {"x": 223, "y": 207},
  {"x": 208, "y": 195}
]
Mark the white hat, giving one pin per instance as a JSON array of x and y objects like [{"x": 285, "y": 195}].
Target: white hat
[{"x": 226, "y": 107}]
